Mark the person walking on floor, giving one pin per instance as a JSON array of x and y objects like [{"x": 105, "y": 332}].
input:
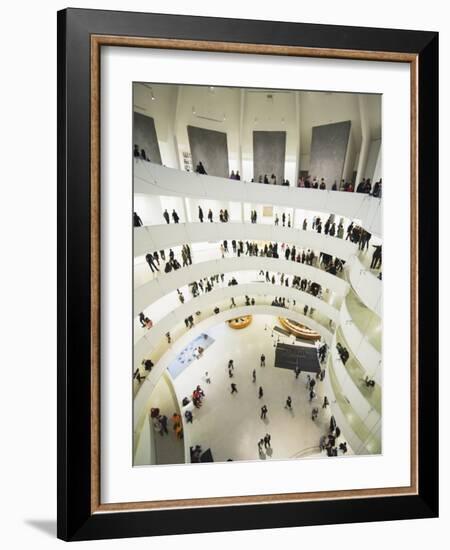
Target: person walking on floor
[
  {"x": 267, "y": 439},
  {"x": 163, "y": 420},
  {"x": 254, "y": 375},
  {"x": 233, "y": 388},
  {"x": 260, "y": 444},
  {"x": 263, "y": 361},
  {"x": 325, "y": 402},
  {"x": 297, "y": 372},
  {"x": 288, "y": 403},
  {"x": 264, "y": 411},
  {"x": 210, "y": 215},
  {"x": 260, "y": 392}
]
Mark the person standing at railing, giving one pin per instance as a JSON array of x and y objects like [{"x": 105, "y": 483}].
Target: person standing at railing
[
  {"x": 200, "y": 169},
  {"x": 137, "y": 222},
  {"x": 151, "y": 262},
  {"x": 200, "y": 214},
  {"x": 166, "y": 216},
  {"x": 210, "y": 215}
]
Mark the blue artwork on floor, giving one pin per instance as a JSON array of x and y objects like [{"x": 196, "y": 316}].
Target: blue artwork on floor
[{"x": 190, "y": 353}]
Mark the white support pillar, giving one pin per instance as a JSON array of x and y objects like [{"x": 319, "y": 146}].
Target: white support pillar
[
  {"x": 365, "y": 139},
  {"x": 241, "y": 126},
  {"x": 298, "y": 148}
]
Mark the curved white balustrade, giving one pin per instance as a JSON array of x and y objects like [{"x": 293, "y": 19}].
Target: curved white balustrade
[
  {"x": 366, "y": 285},
  {"x": 158, "y": 180},
  {"x": 141, "y": 399},
  {"x": 168, "y": 282},
  {"x": 362, "y": 439},
  {"x": 358, "y": 402},
  {"x": 342, "y": 421},
  {"x": 362, "y": 349},
  {"x": 210, "y": 299},
  {"x": 149, "y": 238}
]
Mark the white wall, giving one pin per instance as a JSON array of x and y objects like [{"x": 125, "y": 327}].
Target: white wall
[
  {"x": 153, "y": 179},
  {"x": 276, "y": 113},
  {"x": 217, "y": 109},
  {"x": 372, "y": 159},
  {"x": 162, "y": 109}
]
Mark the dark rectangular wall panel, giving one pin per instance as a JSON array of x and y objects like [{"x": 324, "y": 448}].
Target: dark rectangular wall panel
[
  {"x": 269, "y": 154},
  {"x": 211, "y": 148},
  {"x": 144, "y": 135},
  {"x": 328, "y": 149}
]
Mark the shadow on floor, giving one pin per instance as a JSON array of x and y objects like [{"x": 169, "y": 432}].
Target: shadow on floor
[{"x": 47, "y": 526}]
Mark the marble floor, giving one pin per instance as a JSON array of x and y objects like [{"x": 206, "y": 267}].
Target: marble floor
[{"x": 230, "y": 424}]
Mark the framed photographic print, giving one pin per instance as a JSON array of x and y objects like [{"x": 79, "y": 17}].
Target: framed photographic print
[{"x": 247, "y": 263}]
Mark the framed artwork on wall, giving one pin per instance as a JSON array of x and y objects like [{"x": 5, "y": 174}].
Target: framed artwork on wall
[{"x": 247, "y": 287}]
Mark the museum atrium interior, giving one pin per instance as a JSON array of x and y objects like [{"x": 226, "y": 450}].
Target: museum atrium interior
[{"x": 257, "y": 274}]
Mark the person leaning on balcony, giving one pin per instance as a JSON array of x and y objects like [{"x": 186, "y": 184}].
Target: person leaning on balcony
[
  {"x": 166, "y": 216},
  {"x": 200, "y": 169},
  {"x": 137, "y": 222},
  {"x": 361, "y": 186}
]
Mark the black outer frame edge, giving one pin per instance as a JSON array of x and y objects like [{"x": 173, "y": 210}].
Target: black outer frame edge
[
  {"x": 73, "y": 447},
  {"x": 140, "y": 24},
  {"x": 75, "y": 521},
  {"x": 61, "y": 287},
  {"x": 428, "y": 209}
]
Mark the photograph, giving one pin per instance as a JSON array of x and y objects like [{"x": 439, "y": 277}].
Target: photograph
[{"x": 257, "y": 274}]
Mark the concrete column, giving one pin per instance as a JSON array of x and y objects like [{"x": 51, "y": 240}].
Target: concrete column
[
  {"x": 241, "y": 125},
  {"x": 365, "y": 138},
  {"x": 298, "y": 149}
]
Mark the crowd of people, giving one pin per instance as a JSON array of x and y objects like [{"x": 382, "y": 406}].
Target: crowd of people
[
  {"x": 153, "y": 259},
  {"x": 160, "y": 423},
  {"x": 330, "y": 227},
  {"x": 329, "y": 441},
  {"x": 308, "y": 182}
]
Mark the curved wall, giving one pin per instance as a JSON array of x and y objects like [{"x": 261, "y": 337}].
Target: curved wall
[
  {"x": 361, "y": 348},
  {"x": 153, "y": 179},
  {"x": 366, "y": 285},
  {"x": 149, "y": 238},
  {"x": 150, "y": 338},
  {"x": 356, "y": 399},
  {"x": 168, "y": 282}
]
